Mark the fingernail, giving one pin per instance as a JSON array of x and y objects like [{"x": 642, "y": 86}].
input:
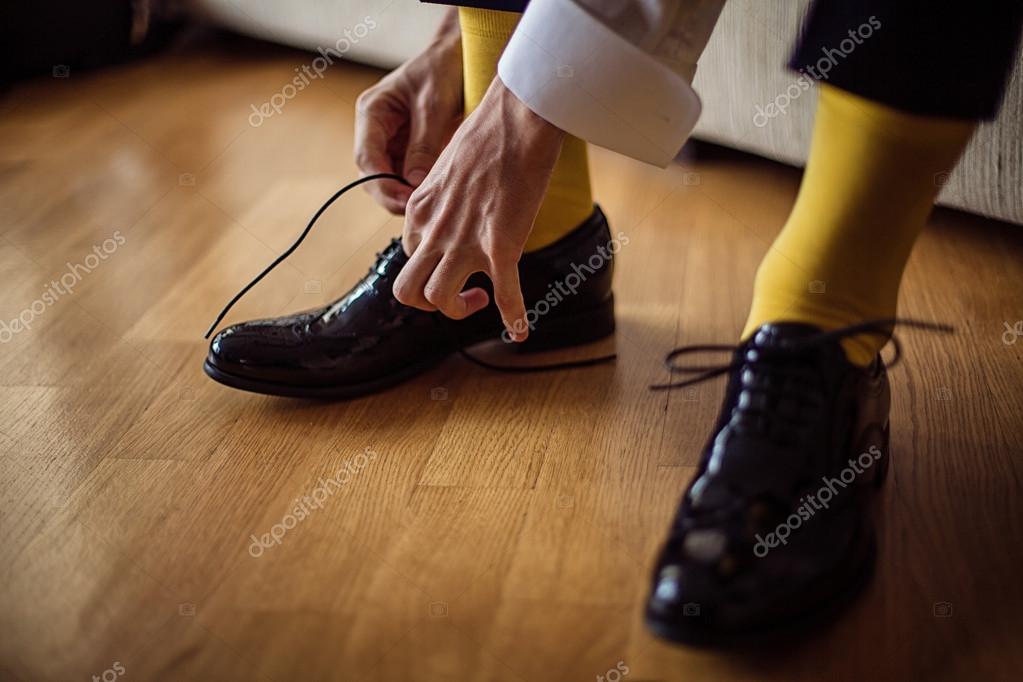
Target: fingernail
[{"x": 416, "y": 176}]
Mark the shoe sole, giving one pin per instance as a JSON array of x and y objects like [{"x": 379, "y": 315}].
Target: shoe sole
[
  {"x": 318, "y": 392},
  {"x": 571, "y": 330}
]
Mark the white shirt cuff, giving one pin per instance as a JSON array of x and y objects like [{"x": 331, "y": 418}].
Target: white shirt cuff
[{"x": 576, "y": 73}]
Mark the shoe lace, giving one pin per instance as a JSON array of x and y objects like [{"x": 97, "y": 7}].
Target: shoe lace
[
  {"x": 575, "y": 364},
  {"x": 764, "y": 357},
  {"x": 301, "y": 238},
  {"x": 778, "y": 388}
]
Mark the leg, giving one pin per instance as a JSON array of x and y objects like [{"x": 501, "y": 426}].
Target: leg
[
  {"x": 866, "y": 194},
  {"x": 775, "y": 530},
  {"x": 569, "y": 200},
  {"x": 899, "y": 110}
]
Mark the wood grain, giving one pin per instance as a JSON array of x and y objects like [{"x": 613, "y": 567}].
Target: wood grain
[{"x": 505, "y": 528}]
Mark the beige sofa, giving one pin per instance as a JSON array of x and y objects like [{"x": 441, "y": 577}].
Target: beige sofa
[{"x": 740, "y": 74}]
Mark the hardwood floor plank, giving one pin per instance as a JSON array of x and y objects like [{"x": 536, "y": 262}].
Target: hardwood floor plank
[{"x": 502, "y": 527}]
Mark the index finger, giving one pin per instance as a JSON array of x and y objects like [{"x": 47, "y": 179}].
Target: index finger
[{"x": 508, "y": 298}]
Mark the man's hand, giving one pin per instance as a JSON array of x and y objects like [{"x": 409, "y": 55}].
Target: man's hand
[
  {"x": 403, "y": 122},
  {"x": 475, "y": 209}
]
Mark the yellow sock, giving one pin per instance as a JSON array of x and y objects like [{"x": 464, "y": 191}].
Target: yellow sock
[
  {"x": 869, "y": 185},
  {"x": 569, "y": 200}
]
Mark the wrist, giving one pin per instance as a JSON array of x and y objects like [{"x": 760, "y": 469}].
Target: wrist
[{"x": 532, "y": 128}]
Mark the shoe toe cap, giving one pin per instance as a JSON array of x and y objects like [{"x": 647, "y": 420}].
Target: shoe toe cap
[
  {"x": 237, "y": 346},
  {"x": 254, "y": 347},
  {"x": 702, "y": 594}
]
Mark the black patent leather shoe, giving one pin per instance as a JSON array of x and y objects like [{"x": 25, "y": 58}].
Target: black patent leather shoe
[
  {"x": 775, "y": 531},
  {"x": 367, "y": 341}
]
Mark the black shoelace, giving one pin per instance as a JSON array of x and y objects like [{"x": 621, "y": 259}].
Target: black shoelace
[
  {"x": 884, "y": 328},
  {"x": 575, "y": 364},
  {"x": 780, "y": 398}
]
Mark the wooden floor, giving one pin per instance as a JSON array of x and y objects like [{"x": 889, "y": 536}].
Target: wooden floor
[{"x": 505, "y": 526}]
